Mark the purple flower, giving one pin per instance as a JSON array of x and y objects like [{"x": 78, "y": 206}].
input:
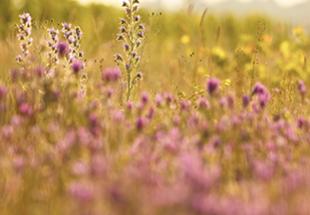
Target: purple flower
[
  {"x": 169, "y": 98},
  {"x": 77, "y": 66},
  {"x": 144, "y": 98},
  {"x": 185, "y": 105},
  {"x": 111, "y": 74},
  {"x": 62, "y": 49},
  {"x": 129, "y": 106},
  {"x": 263, "y": 99},
  {"x": 203, "y": 103},
  {"x": 140, "y": 123},
  {"x": 302, "y": 122},
  {"x": 159, "y": 100},
  {"x": 213, "y": 85},
  {"x": 302, "y": 88},
  {"x": 25, "y": 109},
  {"x": 245, "y": 101},
  {"x": 259, "y": 89},
  {"x": 262, "y": 93}
]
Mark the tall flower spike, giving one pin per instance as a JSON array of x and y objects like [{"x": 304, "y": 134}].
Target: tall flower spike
[
  {"x": 52, "y": 46},
  {"x": 24, "y": 36},
  {"x": 131, "y": 34}
]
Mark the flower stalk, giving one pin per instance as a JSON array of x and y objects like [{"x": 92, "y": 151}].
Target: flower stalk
[{"x": 131, "y": 34}]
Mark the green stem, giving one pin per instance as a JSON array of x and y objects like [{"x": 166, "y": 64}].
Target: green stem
[{"x": 128, "y": 84}]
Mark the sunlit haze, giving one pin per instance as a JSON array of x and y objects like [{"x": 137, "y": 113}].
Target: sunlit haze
[{"x": 177, "y": 3}]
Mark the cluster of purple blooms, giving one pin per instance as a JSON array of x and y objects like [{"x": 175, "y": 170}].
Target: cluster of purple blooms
[
  {"x": 217, "y": 153},
  {"x": 24, "y": 36}
]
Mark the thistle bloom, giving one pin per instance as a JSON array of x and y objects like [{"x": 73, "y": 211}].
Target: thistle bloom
[
  {"x": 111, "y": 74},
  {"x": 140, "y": 123},
  {"x": 259, "y": 89},
  {"x": 212, "y": 85},
  {"x": 262, "y": 93},
  {"x": 62, "y": 49},
  {"x": 77, "y": 66}
]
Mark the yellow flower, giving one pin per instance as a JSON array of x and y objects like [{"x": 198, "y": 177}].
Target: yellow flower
[
  {"x": 227, "y": 82},
  {"x": 298, "y": 32},
  {"x": 285, "y": 48},
  {"x": 185, "y": 39}
]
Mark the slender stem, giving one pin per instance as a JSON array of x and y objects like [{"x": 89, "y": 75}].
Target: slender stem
[{"x": 128, "y": 84}]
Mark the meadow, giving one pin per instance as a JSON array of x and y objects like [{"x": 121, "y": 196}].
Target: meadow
[{"x": 108, "y": 111}]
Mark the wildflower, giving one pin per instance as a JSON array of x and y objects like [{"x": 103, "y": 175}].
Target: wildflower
[
  {"x": 73, "y": 36},
  {"x": 111, "y": 74},
  {"x": 94, "y": 124},
  {"x": 203, "y": 103},
  {"x": 140, "y": 123},
  {"x": 245, "y": 101},
  {"x": 62, "y": 49},
  {"x": 185, "y": 105},
  {"x": 144, "y": 98},
  {"x": 259, "y": 89},
  {"x": 302, "y": 122},
  {"x": 212, "y": 85},
  {"x": 25, "y": 109},
  {"x": 52, "y": 45},
  {"x": 159, "y": 100},
  {"x": 118, "y": 116},
  {"x": 24, "y": 36},
  {"x": 77, "y": 66},
  {"x": 185, "y": 39},
  {"x": 82, "y": 192},
  {"x": 302, "y": 88},
  {"x": 263, "y": 99},
  {"x": 262, "y": 93},
  {"x": 130, "y": 30},
  {"x": 150, "y": 113},
  {"x": 169, "y": 98}
]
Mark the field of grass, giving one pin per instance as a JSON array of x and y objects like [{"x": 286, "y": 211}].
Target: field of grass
[{"x": 198, "y": 114}]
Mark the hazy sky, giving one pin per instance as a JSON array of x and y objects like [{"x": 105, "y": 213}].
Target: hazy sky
[{"x": 176, "y": 3}]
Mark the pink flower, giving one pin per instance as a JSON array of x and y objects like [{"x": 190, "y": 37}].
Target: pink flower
[
  {"x": 62, "y": 49},
  {"x": 212, "y": 85},
  {"x": 259, "y": 89},
  {"x": 140, "y": 123},
  {"x": 77, "y": 66},
  {"x": 25, "y": 109},
  {"x": 82, "y": 192},
  {"x": 111, "y": 74}
]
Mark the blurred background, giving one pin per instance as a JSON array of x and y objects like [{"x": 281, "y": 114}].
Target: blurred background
[{"x": 201, "y": 37}]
